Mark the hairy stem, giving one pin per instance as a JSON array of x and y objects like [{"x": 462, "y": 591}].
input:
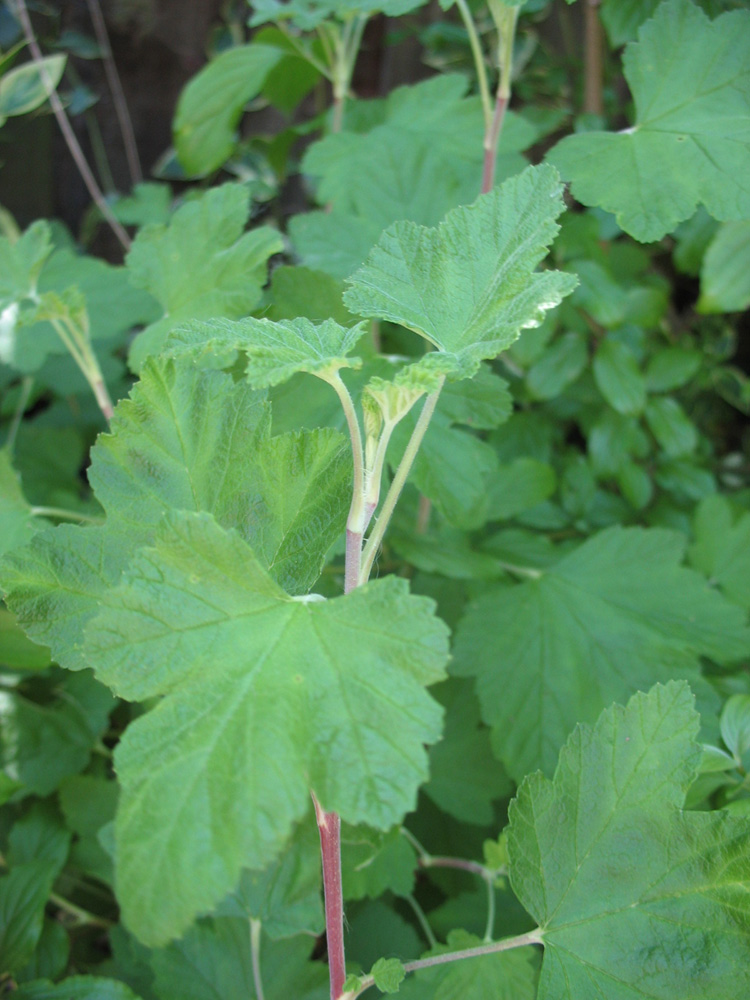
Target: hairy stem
[
  {"x": 65, "y": 127},
  {"x": 255, "y": 927},
  {"x": 329, "y": 828},
  {"x": 491, "y": 139},
  {"x": 115, "y": 86},
  {"x": 423, "y": 921},
  {"x": 399, "y": 481}
]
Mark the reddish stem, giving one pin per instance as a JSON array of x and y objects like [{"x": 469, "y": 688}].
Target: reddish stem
[
  {"x": 329, "y": 827},
  {"x": 491, "y": 141}
]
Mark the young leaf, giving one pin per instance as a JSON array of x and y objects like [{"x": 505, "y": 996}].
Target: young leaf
[
  {"x": 633, "y": 896},
  {"x": 327, "y": 693},
  {"x": 26, "y": 87},
  {"x": 469, "y": 285},
  {"x": 276, "y": 350},
  {"x": 388, "y": 974},
  {"x": 201, "y": 265},
  {"x": 690, "y": 141},
  {"x": 373, "y": 863},
  {"x": 617, "y": 376},
  {"x": 609, "y": 618},
  {"x": 211, "y": 104}
]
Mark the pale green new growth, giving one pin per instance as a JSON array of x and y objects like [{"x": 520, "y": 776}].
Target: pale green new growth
[
  {"x": 276, "y": 350},
  {"x": 690, "y": 143},
  {"x": 635, "y": 899},
  {"x": 264, "y": 697},
  {"x": 469, "y": 285}
]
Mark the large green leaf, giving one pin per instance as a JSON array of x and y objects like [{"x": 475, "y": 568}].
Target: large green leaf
[
  {"x": 622, "y": 18},
  {"x": 201, "y": 265},
  {"x": 691, "y": 137},
  {"x": 722, "y": 547},
  {"x": 615, "y": 615},
  {"x": 469, "y": 285},
  {"x": 17, "y": 521},
  {"x": 635, "y": 899},
  {"x": 75, "y": 988},
  {"x": 327, "y": 694},
  {"x": 422, "y": 158},
  {"x": 191, "y": 440},
  {"x": 211, "y": 104}
]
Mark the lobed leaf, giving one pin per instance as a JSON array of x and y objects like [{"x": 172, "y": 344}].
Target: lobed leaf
[
  {"x": 328, "y": 694},
  {"x": 634, "y": 898},
  {"x": 468, "y": 286}
]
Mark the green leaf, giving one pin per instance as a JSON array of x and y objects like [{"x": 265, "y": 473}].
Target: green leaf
[
  {"x": 622, "y": 18},
  {"x": 212, "y": 962},
  {"x": 520, "y": 484},
  {"x": 17, "y": 522},
  {"x": 671, "y": 368},
  {"x": 633, "y": 896},
  {"x": 19, "y": 652},
  {"x": 23, "y": 89},
  {"x": 618, "y": 378},
  {"x": 558, "y": 367},
  {"x": 201, "y": 265},
  {"x": 469, "y": 285},
  {"x": 689, "y": 142},
  {"x": 285, "y": 896},
  {"x": 23, "y": 896},
  {"x": 671, "y": 426},
  {"x": 21, "y": 263},
  {"x": 328, "y": 693},
  {"x": 51, "y": 955},
  {"x": 422, "y": 158},
  {"x": 76, "y": 988},
  {"x": 503, "y": 976},
  {"x": 212, "y": 103},
  {"x": 374, "y": 863},
  {"x": 307, "y": 14},
  {"x": 735, "y": 726},
  {"x": 722, "y": 547},
  {"x": 276, "y": 350},
  {"x": 465, "y": 778},
  {"x": 299, "y": 291},
  {"x": 725, "y": 274},
  {"x": 42, "y": 743},
  {"x": 388, "y": 974},
  {"x": 39, "y": 835},
  {"x": 191, "y": 440},
  {"x": 88, "y": 804},
  {"x": 607, "y": 619}
]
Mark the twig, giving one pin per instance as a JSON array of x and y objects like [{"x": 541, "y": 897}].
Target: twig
[{"x": 65, "y": 127}]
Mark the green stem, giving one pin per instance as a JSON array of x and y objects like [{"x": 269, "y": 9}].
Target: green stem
[
  {"x": 65, "y": 515},
  {"x": 423, "y": 921},
  {"x": 27, "y": 384},
  {"x": 81, "y": 916},
  {"x": 399, "y": 481},
  {"x": 520, "y": 941},
  {"x": 356, "y": 521},
  {"x": 255, "y": 958},
  {"x": 490, "y": 928},
  {"x": 476, "y": 51}
]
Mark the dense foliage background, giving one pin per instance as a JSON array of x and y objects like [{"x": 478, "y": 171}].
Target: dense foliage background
[{"x": 579, "y": 511}]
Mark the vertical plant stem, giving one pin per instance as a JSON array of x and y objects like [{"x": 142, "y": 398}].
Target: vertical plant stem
[
  {"x": 505, "y": 19},
  {"x": 478, "y": 55},
  {"x": 115, "y": 86},
  {"x": 27, "y": 384},
  {"x": 490, "y": 928},
  {"x": 329, "y": 828},
  {"x": 399, "y": 480},
  {"x": 593, "y": 80},
  {"x": 356, "y": 522},
  {"x": 255, "y": 927},
  {"x": 65, "y": 127},
  {"x": 491, "y": 139}
]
